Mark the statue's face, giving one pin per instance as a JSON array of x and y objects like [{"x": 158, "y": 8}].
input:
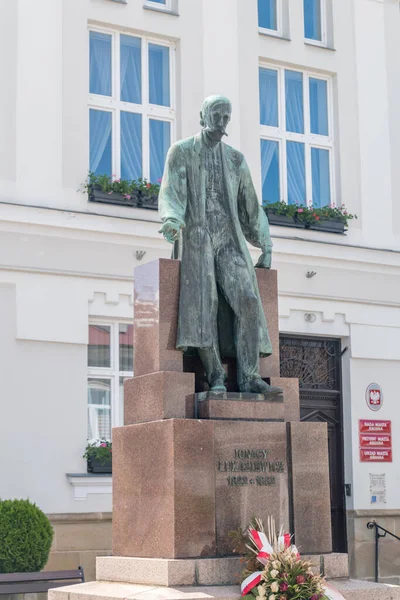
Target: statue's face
[{"x": 217, "y": 120}]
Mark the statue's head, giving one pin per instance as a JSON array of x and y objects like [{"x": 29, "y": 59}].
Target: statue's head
[{"x": 215, "y": 115}]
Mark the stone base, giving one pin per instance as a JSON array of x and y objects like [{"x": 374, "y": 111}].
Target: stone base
[{"x": 239, "y": 406}]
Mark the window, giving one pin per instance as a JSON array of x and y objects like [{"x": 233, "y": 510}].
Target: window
[
  {"x": 131, "y": 105},
  {"x": 269, "y": 16},
  {"x": 314, "y": 21},
  {"x": 296, "y": 137},
  {"x": 110, "y": 362}
]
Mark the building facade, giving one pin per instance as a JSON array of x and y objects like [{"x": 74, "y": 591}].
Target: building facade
[{"x": 106, "y": 86}]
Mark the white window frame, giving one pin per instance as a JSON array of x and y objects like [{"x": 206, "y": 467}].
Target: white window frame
[
  {"x": 112, "y": 372},
  {"x": 310, "y": 140},
  {"x": 157, "y": 6},
  {"x": 323, "y": 41},
  {"x": 148, "y": 111},
  {"x": 279, "y": 19}
]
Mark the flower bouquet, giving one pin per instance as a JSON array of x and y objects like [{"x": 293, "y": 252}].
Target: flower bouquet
[{"x": 285, "y": 576}]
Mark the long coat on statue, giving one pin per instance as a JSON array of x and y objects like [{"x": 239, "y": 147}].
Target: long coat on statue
[{"x": 182, "y": 198}]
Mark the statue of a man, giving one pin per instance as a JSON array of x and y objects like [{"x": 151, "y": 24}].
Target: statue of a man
[{"x": 207, "y": 194}]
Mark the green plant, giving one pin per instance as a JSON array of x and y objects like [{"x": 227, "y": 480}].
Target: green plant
[
  {"x": 100, "y": 450},
  {"x": 25, "y": 537},
  {"x": 127, "y": 188},
  {"x": 308, "y": 214}
]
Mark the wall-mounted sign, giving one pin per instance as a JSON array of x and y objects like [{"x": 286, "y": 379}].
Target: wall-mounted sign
[
  {"x": 377, "y": 488},
  {"x": 374, "y": 396},
  {"x": 375, "y": 440}
]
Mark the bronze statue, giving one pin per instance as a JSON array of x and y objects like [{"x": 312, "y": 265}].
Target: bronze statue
[{"x": 207, "y": 196}]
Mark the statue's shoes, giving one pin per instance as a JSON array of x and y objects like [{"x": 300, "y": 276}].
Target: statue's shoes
[
  {"x": 259, "y": 386},
  {"x": 218, "y": 385}
]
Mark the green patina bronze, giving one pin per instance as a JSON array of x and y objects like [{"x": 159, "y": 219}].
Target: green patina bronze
[{"x": 208, "y": 203}]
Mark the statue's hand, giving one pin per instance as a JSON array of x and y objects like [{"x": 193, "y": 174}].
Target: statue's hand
[
  {"x": 264, "y": 262},
  {"x": 170, "y": 231}
]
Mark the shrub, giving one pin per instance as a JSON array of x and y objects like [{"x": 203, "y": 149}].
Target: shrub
[{"x": 25, "y": 537}]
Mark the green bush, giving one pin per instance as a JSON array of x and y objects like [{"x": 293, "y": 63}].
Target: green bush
[{"x": 25, "y": 537}]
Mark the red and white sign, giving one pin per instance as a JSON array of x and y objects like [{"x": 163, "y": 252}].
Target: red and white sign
[
  {"x": 374, "y": 396},
  {"x": 376, "y": 455},
  {"x": 373, "y": 426},
  {"x": 375, "y": 441}
]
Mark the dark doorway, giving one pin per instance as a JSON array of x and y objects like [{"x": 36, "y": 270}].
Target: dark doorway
[{"x": 316, "y": 362}]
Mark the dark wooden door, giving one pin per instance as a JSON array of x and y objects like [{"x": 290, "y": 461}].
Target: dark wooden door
[{"x": 316, "y": 362}]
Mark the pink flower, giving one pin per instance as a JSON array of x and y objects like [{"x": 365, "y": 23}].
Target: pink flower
[
  {"x": 127, "y": 196},
  {"x": 113, "y": 175},
  {"x": 317, "y": 218},
  {"x": 148, "y": 185},
  {"x": 284, "y": 587},
  {"x": 314, "y": 597},
  {"x": 300, "y": 210},
  {"x": 110, "y": 192},
  {"x": 300, "y": 579},
  {"x": 103, "y": 445},
  {"x": 159, "y": 180}
]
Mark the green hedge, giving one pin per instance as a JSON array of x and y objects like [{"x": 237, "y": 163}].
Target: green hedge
[{"x": 25, "y": 537}]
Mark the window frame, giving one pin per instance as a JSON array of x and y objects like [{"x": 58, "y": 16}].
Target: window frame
[
  {"x": 167, "y": 7},
  {"x": 322, "y": 43},
  {"x": 279, "y": 19},
  {"x": 115, "y": 105},
  {"x": 310, "y": 140},
  {"x": 113, "y": 373}
]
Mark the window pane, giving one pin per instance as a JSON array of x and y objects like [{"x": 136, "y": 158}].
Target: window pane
[
  {"x": 131, "y": 145},
  {"x": 99, "y": 408},
  {"x": 159, "y": 75},
  {"x": 159, "y": 1},
  {"x": 160, "y": 140},
  {"x": 296, "y": 173},
  {"x": 321, "y": 188},
  {"x": 268, "y": 97},
  {"x": 125, "y": 347},
  {"x": 121, "y": 398},
  {"x": 270, "y": 171},
  {"x": 312, "y": 20},
  {"x": 294, "y": 101},
  {"x": 99, "y": 349},
  {"x": 100, "y": 63},
  {"x": 267, "y": 17},
  {"x": 131, "y": 69},
  {"x": 319, "y": 106},
  {"x": 100, "y": 126}
]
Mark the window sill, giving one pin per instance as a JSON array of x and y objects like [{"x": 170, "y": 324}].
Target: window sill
[
  {"x": 271, "y": 34},
  {"x": 156, "y": 8},
  {"x": 120, "y": 1},
  {"x": 317, "y": 44},
  {"x": 89, "y": 483}
]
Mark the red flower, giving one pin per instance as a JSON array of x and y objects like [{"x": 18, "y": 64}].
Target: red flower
[
  {"x": 317, "y": 218},
  {"x": 314, "y": 597},
  {"x": 148, "y": 185},
  {"x": 300, "y": 579},
  {"x": 284, "y": 587}
]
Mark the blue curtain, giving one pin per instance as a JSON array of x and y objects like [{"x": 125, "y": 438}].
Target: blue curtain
[
  {"x": 296, "y": 174},
  {"x": 100, "y": 64},
  {"x": 160, "y": 140},
  {"x": 267, "y": 18},
  {"x": 268, "y": 79},
  {"x": 294, "y": 101},
  {"x": 312, "y": 20},
  {"x": 100, "y": 133},
  {"x": 321, "y": 189},
  {"x": 131, "y": 69},
  {"x": 159, "y": 1},
  {"x": 270, "y": 171},
  {"x": 159, "y": 92},
  {"x": 319, "y": 106},
  {"x": 131, "y": 145}
]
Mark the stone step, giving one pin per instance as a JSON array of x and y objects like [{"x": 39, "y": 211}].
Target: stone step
[{"x": 351, "y": 589}]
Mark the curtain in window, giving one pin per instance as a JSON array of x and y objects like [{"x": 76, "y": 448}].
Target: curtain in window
[
  {"x": 294, "y": 101},
  {"x": 296, "y": 173},
  {"x": 100, "y": 64},
  {"x": 99, "y": 408},
  {"x": 312, "y": 20},
  {"x": 268, "y": 97},
  {"x": 100, "y": 126},
  {"x": 131, "y": 69},
  {"x": 160, "y": 140},
  {"x": 270, "y": 171},
  {"x": 319, "y": 106},
  {"x": 267, "y": 17},
  {"x": 321, "y": 189},
  {"x": 131, "y": 145},
  {"x": 159, "y": 92}
]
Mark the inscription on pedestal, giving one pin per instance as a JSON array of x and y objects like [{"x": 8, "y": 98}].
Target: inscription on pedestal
[{"x": 250, "y": 461}]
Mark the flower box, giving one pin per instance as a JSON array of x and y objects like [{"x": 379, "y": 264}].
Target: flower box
[
  {"x": 283, "y": 220},
  {"x": 95, "y": 465},
  {"x": 329, "y": 226},
  {"x": 137, "y": 199}
]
